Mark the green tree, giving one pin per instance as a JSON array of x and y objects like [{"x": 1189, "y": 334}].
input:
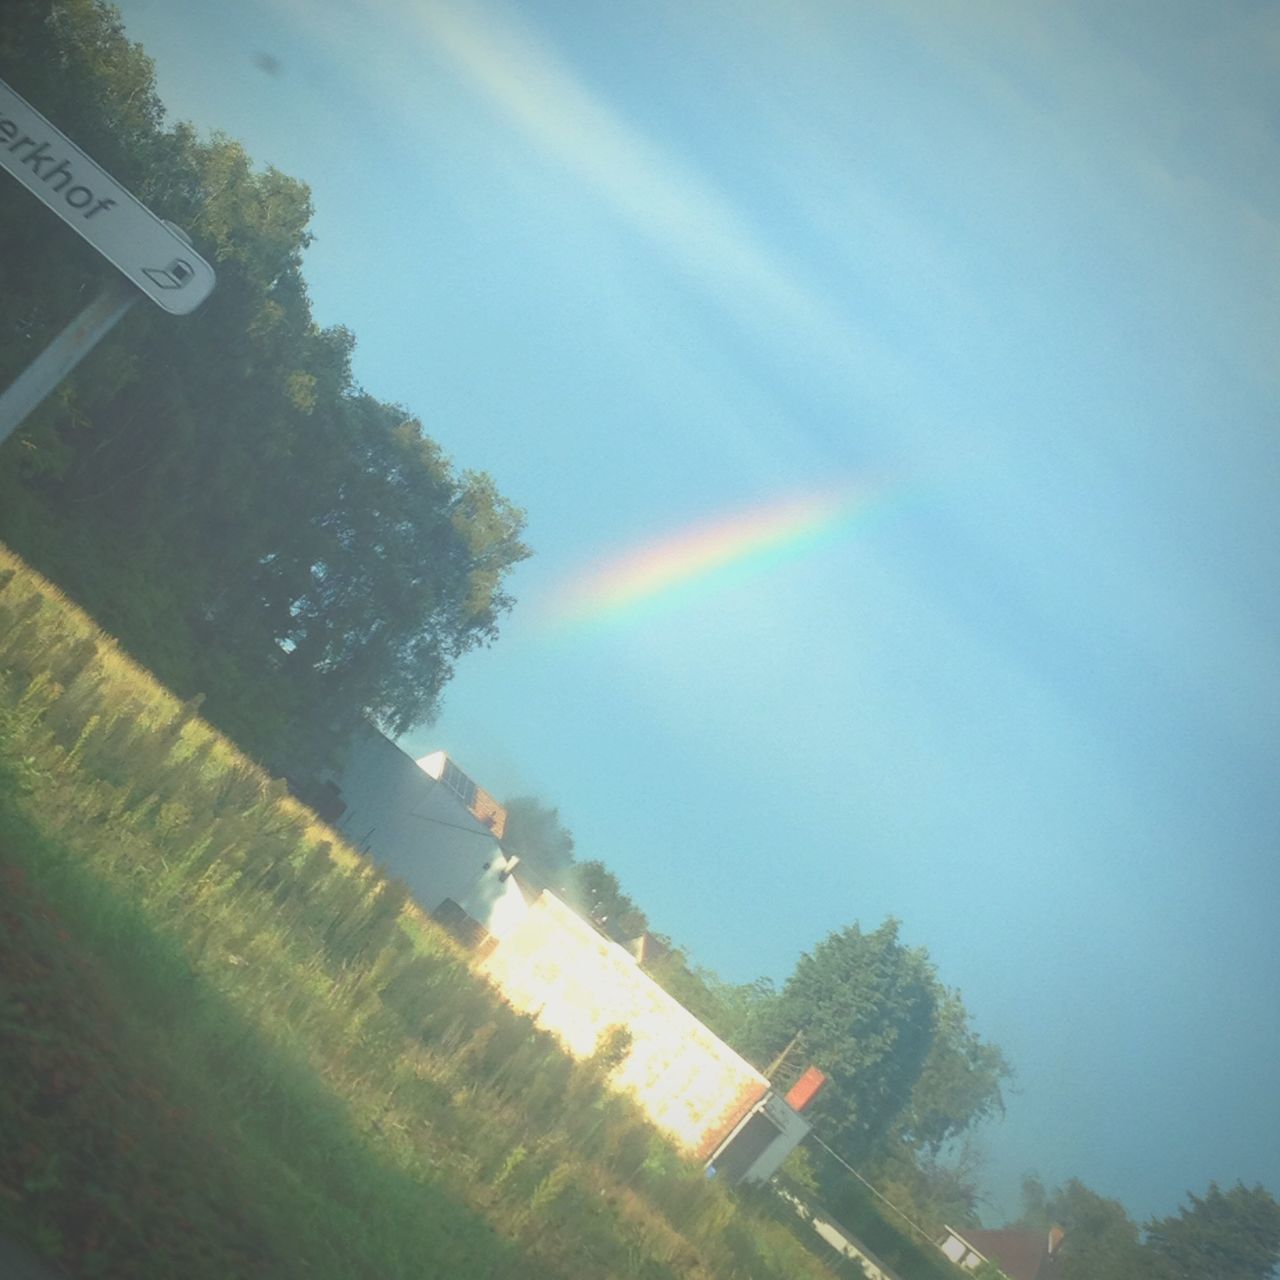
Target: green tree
[
  {"x": 865, "y": 1008},
  {"x": 595, "y": 892},
  {"x": 960, "y": 1085},
  {"x": 724, "y": 1007},
  {"x": 933, "y": 1191},
  {"x": 216, "y": 489},
  {"x": 544, "y": 845},
  {"x": 1100, "y": 1240},
  {"x": 1228, "y": 1235}
]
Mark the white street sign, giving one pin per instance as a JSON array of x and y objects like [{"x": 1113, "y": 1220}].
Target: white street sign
[{"x": 150, "y": 253}]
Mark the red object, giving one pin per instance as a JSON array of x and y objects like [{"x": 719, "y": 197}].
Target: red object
[{"x": 806, "y": 1088}]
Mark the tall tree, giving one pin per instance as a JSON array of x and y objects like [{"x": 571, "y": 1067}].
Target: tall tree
[
  {"x": 535, "y": 835},
  {"x": 1229, "y": 1235},
  {"x": 1100, "y": 1241},
  {"x": 865, "y": 1007},
  {"x": 960, "y": 1085},
  {"x": 216, "y": 489}
]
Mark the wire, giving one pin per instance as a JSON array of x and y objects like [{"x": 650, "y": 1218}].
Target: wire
[
  {"x": 471, "y": 831},
  {"x": 841, "y": 1160}
]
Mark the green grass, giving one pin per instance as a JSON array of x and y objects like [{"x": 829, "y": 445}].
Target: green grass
[
  {"x": 133, "y": 1149},
  {"x": 228, "y": 1047}
]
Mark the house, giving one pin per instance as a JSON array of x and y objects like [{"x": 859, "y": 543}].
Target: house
[
  {"x": 646, "y": 950},
  {"x": 1021, "y": 1254},
  {"x": 426, "y": 823}
]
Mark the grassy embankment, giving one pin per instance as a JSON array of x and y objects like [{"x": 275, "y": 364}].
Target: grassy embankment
[{"x": 229, "y": 1048}]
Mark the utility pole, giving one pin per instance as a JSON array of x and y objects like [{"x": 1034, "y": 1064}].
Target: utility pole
[{"x": 776, "y": 1065}]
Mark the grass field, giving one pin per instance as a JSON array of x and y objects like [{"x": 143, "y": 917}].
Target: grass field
[{"x": 228, "y": 1047}]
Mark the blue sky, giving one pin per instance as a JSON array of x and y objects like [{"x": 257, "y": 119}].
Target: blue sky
[{"x": 1013, "y": 269}]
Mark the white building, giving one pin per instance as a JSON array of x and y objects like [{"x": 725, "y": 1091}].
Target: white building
[
  {"x": 428, "y": 824},
  {"x": 579, "y": 985}
]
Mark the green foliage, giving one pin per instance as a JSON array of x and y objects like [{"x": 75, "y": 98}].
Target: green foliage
[
  {"x": 724, "y": 1007},
  {"x": 231, "y": 1048},
  {"x": 960, "y": 1084},
  {"x": 535, "y": 835},
  {"x": 594, "y": 891},
  {"x": 1100, "y": 1241},
  {"x": 1230, "y": 1235},
  {"x": 864, "y": 1007},
  {"x": 613, "y": 1048},
  {"x": 932, "y": 1190},
  {"x": 908, "y": 1077},
  {"x": 216, "y": 489},
  {"x": 887, "y": 1235}
]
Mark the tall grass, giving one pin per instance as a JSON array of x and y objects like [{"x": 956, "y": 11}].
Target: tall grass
[{"x": 229, "y": 1046}]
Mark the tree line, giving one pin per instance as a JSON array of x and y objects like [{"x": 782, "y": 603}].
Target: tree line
[
  {"x": 232, "y": 1047},
  {"x": 217, "y": 490},
  {"x": 1229, "y": 1235},
  {"x": 908, "y": 1076},
  {"x": 910, "y": 1083}
]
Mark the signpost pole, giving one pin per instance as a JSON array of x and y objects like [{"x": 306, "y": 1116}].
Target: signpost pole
[
  {"x": 62, "y": 355},
  {"x": 155, "y": 258}
]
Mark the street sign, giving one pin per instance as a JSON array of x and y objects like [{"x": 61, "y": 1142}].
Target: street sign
[{"x": 89, "y": 200}]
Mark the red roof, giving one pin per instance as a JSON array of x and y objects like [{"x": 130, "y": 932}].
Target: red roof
[
  {"x": 806, "y": 1088},
  {"x": 1020, "y": 1254}
]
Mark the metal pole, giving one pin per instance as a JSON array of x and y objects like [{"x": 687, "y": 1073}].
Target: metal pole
[
  {"x": 776, "y": 1065},
  {"x": 62, "y": 355}
]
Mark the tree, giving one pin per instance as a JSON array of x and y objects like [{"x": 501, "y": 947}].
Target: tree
[
  {"x": 1100, "y": 1240},
  {"x": 595, "y": 892},
  {"x": 864, "y": 1006},
  {"x": 217, "y": 491},
  {"x": 934, "y": 1191},
  {"x": 535, "y": 835},
  {"x": 723, "y": 1006},
  {"x": 960, "y": 1085},
  {"x": 1229, "y": 1235}
]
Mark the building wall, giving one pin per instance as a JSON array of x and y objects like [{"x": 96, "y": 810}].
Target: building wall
[
  {"x": 762, "y": 1139},
  {"x": 959, "y": 1252},
  {"x": 578, "y": 984},
  {"x": 792, "y": 1129},
  {"x": 411, "y": 825},
  {"x": 496, "y": 900}
]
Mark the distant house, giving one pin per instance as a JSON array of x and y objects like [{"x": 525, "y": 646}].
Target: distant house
[
  {"x": 1020, "y": 1254},
  {"x": 646, "y": 950},
  {"x": 426, "y": 823}
]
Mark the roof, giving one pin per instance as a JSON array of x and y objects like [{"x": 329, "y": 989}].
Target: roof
[
  {"x": 1019, "y": 1253},
  {"x": 480, "y": 804},
  {"x": 646, "y": 949}
]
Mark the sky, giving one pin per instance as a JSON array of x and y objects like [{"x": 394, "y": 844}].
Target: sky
[{"x": 891, "y": 389}]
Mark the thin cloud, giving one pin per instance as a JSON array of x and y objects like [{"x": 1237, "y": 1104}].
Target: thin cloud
[{"x": 675, "y": 207}]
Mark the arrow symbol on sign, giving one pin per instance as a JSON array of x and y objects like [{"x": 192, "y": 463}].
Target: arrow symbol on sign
[{"x": 174, "y": 276}]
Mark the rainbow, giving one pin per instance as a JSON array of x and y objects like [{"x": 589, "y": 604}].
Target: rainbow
[{"x": 707, "y": 556}]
